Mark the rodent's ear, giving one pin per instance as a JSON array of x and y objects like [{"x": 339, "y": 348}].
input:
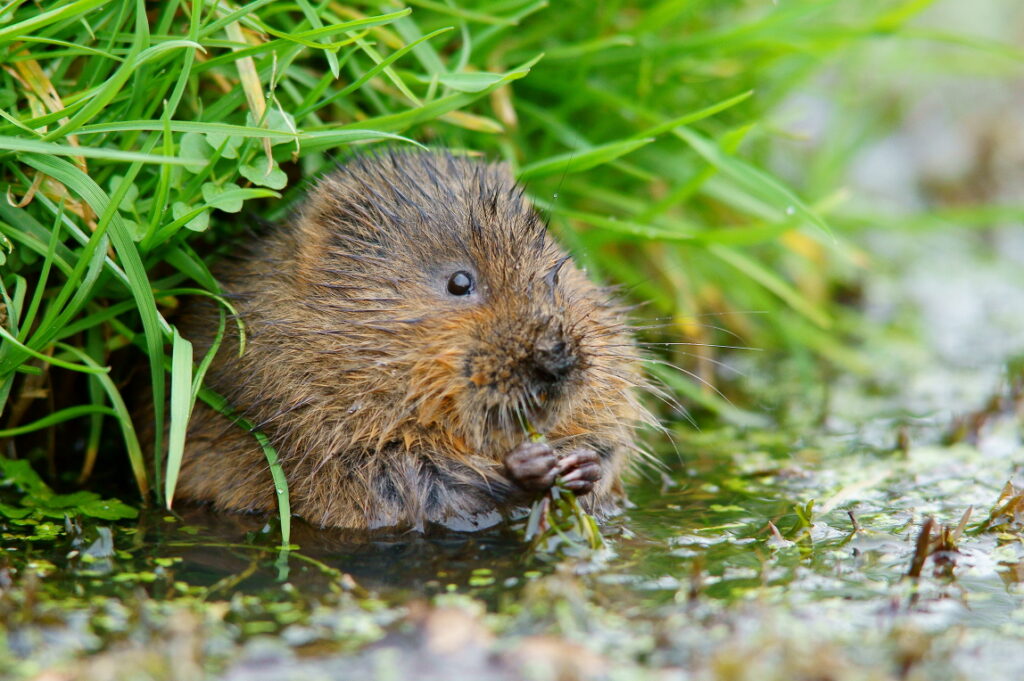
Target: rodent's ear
[
  {"x": 327, "y": 223},
  {"x": 334, "y": 211},
  {"x": 321, "y": 201},
  {"x": 551, "y": 278}
]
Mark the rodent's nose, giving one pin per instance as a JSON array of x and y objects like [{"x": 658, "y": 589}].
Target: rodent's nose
[{"x": 553, "y": 363}]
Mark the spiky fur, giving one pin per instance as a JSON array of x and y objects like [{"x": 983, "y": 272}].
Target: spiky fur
[{"x": 390, "y": 402}]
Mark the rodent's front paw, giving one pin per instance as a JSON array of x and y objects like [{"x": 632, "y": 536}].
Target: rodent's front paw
[
  {"x": 533, "y": 466},
  {"x": 579, "y": 470}
]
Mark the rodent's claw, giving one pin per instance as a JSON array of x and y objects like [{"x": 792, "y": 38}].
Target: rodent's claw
[
  {"x": 533, "y": 466},
  {"x": 580, "y": 469}
]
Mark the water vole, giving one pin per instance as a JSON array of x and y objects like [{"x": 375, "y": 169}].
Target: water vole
[{"x": 401, "y": 330}]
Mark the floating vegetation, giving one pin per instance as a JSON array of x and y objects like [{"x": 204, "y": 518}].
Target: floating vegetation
[{"x": 37, "y": 501}]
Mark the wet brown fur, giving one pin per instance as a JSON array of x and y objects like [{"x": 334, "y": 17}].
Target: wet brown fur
[{"x": 392, "y": 403}]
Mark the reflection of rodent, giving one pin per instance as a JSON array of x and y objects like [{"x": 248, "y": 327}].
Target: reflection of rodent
[{"x": 402, "y": 332}]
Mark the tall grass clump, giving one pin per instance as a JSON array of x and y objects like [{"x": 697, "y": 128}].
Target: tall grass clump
[{"x": 137, "y": 139}]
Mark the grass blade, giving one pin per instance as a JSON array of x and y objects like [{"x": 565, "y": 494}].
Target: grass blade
[
  {"x": 58, "y": 417},
  {"x": 280, "y": 481},
  {"x": 578, "y": 161},
  {"x": 39, "y": 147},
  {"x": 180, "y": 411},
  {"x": 755, "y": 181}
]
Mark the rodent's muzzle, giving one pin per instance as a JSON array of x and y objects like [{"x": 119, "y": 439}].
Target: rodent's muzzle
[
  {"x": 526, "y": 369},
  {"x": 551, "y": 363}
]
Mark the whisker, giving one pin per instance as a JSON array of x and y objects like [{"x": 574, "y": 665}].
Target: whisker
[{"x": 698, "y": 345}]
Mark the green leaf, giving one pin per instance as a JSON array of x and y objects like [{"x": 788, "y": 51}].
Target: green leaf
[
  {"x": 227, "y": 143},
  {"x": 62, "y": 501},
  {"x": 199, "y": 221},
  {"x": 7, "y": 336},
  {"x": 181, "y": 410},
  {"x": 19, "y": 472},
  {"x": 58, "y": 417},
  {"x": 54, "y": 149},
  {"x": 131, "y": 193},
  {"x": 196, "y": 151},
  {"x": 15, "y": 512},
  {"x": 225, "y": 197},
  {"x": 695, "y": 116},
  {"x": 220, "y": 404},
  {"x": 473, "y": 81},
  {"x": 137, "y": 231},
  {"x": 281, "y": 121},
  {"x": 578, "y": 161},
  {"x": 108, "y": 509},
  {"x": 259, "y": 173}
]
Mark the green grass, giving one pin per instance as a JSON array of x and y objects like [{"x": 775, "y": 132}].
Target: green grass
[{"x": 135, "y": 139}]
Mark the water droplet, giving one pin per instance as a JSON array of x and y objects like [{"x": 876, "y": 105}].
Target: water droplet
[
  {"x": 790, "y": 210},
  {"x": 280, "y": 491},
  {"x": 555, "y": 195}
]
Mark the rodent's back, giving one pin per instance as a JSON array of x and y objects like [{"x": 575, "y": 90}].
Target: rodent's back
[{"x": 401, "y": 332}]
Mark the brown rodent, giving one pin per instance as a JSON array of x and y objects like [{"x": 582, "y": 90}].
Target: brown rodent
[{"x": 402, "y": 332}]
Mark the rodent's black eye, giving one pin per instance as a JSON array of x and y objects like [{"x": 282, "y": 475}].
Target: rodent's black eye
[{"x": 460, "y": 283}]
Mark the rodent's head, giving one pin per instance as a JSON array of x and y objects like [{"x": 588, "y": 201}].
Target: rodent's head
[{"x": 429, "y": 287}]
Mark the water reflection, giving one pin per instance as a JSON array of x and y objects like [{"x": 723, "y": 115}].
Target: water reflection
[{"x": 217, "y": 546}]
